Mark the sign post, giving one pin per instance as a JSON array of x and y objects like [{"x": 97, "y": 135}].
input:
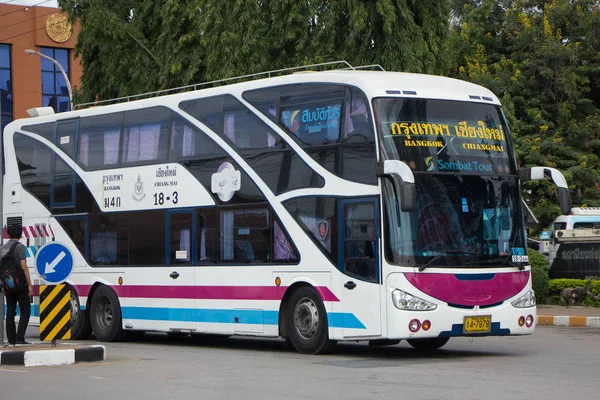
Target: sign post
[{"x": 54, "y": 264}]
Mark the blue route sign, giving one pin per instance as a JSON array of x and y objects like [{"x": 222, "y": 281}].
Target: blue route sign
[{"x": 54, "y": 262}]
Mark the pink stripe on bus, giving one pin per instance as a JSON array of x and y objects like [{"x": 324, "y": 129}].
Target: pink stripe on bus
[
  {"x": 5, "y": 233},
  {"x": 32, "y": 231},
  {"x": 25, "y": 232},
  {"x": 51, "y": 230},
  {"x": 39, "y": 231},
  {"x": 46, "y": 230},
  {"x": 206, "y": 292}
]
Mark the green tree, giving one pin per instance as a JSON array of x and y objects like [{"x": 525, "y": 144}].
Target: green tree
[
  {"x": 134, "y": 46},
  {"x": 542, "y": 59}
]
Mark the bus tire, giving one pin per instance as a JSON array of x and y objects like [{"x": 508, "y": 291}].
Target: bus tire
[
  {"x": 307, "y": 322},
  {"x": 105, "y": 315},
  {"x": 428, "y": 344},
  {"x": 81, "y": 328}
]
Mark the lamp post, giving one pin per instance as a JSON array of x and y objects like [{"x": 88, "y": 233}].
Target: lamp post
[{"x": 30, "y": 52}]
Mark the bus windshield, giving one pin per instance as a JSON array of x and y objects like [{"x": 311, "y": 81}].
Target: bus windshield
[
  {"x": 444, "y": 136},
  {"x": 468, "y": 205}
]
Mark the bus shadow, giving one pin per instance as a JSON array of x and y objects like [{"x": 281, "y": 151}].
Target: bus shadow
[{"x": 359, "y": 350}]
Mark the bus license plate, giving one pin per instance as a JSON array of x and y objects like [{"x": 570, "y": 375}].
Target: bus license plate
[{"x": 478, "y": 324}]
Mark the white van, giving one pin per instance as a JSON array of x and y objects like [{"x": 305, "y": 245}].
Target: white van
[{"x": 580, "y": 218}]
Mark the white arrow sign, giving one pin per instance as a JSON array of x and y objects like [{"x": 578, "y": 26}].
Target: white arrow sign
[{"x": 50, "y": 267}]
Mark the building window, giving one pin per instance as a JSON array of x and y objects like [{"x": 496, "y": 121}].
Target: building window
[
  {"x": 55, "y": 93},
  {"x": 5, "y": 85},
  {"x": 6, "y": 105}
]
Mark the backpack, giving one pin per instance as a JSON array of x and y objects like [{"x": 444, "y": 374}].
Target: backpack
[{"x": 11, "y": 274}]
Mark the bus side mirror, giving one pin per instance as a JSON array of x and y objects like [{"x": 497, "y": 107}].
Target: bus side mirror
[
  {"x": 403, "y": 181},
  {"x": 554, "y": 175}
]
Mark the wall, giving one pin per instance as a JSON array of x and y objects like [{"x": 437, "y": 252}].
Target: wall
[{"x": 26, "y": 28}]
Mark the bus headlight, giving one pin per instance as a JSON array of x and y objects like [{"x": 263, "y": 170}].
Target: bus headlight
[
  {"x": 406, "y": 301},
  {"x": 527, "y": 300}
]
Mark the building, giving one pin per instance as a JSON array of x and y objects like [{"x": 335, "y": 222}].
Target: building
[{"x": 28, "y": 80}]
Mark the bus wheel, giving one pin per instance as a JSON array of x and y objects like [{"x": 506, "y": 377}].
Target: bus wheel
[
  {"x": 81, "y": 328},
  {"x": 105, "y": 315},
  {"x": 428, "y": 344},
  {"x": 307, "y": 322}
]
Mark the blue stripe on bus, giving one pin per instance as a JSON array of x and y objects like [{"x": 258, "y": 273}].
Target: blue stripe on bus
[
  {"x": 266, "y": 317},
  {"x": 35, "y": 310},
  {"x": 201, "y": 315},
  {"x": 344, "y": 320},
  {"x": 30, "y": 251},
  {"x": 256, "y": 317},
  {"x": 474, "y": 277}
]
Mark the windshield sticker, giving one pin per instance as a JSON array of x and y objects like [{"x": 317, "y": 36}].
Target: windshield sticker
[
  {"x": 465, "y": 206},
  {"x": 518, "y": 251},
  {"x": 461, "y": 129},
  {"x": 313, "y": 124}
]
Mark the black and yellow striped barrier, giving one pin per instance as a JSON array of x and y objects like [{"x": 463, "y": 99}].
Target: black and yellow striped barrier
[{"x": 55, "y": 312}]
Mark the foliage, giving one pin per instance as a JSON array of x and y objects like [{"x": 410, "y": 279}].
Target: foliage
[
  {"x": 135, "y": 46},
  {"x": 539, "y": 275},
  {"x": 542, "y": 58}
]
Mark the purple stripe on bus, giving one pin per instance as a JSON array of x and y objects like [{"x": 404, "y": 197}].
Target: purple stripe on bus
[{"x": 206, "y": 292}]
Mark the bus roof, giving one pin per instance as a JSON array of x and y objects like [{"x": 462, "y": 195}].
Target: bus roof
[{"x": 373, "y": 83}]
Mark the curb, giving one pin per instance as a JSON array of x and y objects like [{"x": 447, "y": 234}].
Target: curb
[
  {"x": 36, "y": 358},
  {"x": 550, "y": 320}
]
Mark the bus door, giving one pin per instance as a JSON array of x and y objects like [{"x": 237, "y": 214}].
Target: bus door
[
  {"x": 63, "y": 176},
  {"x": 360, "y": 262},
  {"x": 76, "y": 227},
  {"x": 179, "y": 272}
]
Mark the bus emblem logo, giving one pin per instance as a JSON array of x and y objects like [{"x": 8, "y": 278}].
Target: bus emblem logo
[
  {"x": 138, "y": 190},
  {"x": 429, "y": 163},
  {"x": 295, "y": 121},
  {"x": 323, "y": 227},
  {"x": 226, "y": 181}
]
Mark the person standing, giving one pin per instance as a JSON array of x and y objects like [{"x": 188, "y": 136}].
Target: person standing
[{"x": 19, "y": 296}]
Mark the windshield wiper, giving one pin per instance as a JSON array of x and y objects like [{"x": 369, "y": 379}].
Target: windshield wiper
[
  {"x": 444, "y": 254},
  {"x": 504, "y": 260}
]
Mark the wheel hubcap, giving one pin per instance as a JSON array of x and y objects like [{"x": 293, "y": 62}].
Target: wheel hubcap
[
  {"x": 104, "y": 316},
  {"x": 306, "y": 318},
  {"x": 74, "y": 308}
]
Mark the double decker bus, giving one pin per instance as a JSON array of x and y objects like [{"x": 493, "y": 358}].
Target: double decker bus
[{"x": 318, "y": 207}]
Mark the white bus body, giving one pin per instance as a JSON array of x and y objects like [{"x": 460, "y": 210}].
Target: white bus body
[{"x": 257, "y": 209}]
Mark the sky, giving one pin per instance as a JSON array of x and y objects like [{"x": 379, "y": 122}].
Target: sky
[{"x": 41, "y": 3}]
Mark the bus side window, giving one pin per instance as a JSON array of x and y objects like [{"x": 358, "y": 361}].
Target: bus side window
[
  {"x": 245, "y": 236},
  {"x": 207, "y": 238},
  {"x": 188, "y": 143},
  {"x": 357, "y": 119},
  {"x": 231, "y": 120},
  {"x": 99, "y": 141},
  {"x": 145, "y": 135}
]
